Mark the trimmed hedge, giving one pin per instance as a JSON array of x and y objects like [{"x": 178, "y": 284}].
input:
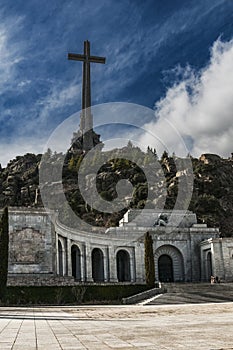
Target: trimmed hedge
[
  {"x": 4, "y": 247},
  {"x": 68, "y": 295}
]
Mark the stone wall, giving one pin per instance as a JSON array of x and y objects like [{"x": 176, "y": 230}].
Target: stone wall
[
  {"x": 227, "y": 254},
  {"x": 36, "y": 259},
  {"x": 182, "y": 244},
  {"x": 221, "y": 250},
  {"x": 39, "y": 280},
  {"x": 31, "y": 242}
]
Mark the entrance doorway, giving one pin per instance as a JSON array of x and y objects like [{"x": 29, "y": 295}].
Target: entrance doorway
[
  {"x": 169, "y": 264},
  {"x": 76, "y": 262},
  {"x": 123, "y": 266},
  {"x": 97, "y": 258},
  {"x": 165, "y": 267}
]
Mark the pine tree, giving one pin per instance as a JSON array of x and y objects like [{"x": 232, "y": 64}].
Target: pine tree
[
  {"x": 4, "y": 246},
  {"x": 164, "y": 156},
  {"x": 149, "y": 260},
  {"x": 155, "y": 154}
]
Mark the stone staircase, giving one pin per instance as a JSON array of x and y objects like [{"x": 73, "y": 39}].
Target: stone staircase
[{"x": 184, "y": 293}]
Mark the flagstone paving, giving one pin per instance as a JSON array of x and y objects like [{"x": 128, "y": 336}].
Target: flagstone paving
[{"x": 190, "y": 326}]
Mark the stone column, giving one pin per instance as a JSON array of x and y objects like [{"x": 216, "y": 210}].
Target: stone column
[
  {"x": 69, "y": 261},
  {"x": 139, "y": 262},
  {"x": 83, "y": 262},
  {"x": 88, "y": 263},
  {"x": 106, "y": 265},
  {"x": 132, "y": 266},
  {"x": 57, "y": 254},
  {"x": 203, "y": 264},
  {"x": 112, "y": 265},
  {"x": 64, "y": 255}
]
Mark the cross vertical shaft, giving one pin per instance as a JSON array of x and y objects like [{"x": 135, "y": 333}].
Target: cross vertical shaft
[
  {"x": 86, "y": 92},
  {"x": 86, "y": 122}
]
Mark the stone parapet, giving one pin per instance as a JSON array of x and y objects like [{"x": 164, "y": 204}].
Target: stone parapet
[
  {"x": 38, "y": 280},
  {"x": 149, "y": 218}
]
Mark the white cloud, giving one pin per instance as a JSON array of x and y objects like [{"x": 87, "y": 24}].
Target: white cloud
[
  {"x": 200, "y": 107},
  {"x": 59, "y": 97},
  {"x": 41, "y": 117},
  {"x": 11, "y": 52},
  {"x": 24, "y": 83},
  {"x": 9, "y": 150},
  {"x": 125, "y": 54}
]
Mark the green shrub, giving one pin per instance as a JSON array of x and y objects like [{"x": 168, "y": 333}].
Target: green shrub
[
  {"x": 149, "y": 260},
  {"x": 68, "y": 295},
  {"x": 4, "y": 247}
]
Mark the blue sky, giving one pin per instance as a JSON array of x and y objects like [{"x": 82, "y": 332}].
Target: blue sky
[{"x": 150, "y": 48}]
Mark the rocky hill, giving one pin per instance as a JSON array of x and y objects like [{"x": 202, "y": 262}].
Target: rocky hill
[
  {"x": 19, "y": 181},
  {"x": 212, "y": 198}
]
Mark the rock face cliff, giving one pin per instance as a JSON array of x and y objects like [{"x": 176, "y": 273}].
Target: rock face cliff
[
  {"x": 19, "y": 181},
  {"x": 213, "y": 192},
  {"x": 212, "y": 198}
]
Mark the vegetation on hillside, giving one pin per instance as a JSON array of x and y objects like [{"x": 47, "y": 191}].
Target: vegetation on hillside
[{"x": 212, "y": 198}]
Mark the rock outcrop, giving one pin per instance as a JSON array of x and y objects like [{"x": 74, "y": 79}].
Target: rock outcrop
[{"x": 212, "y": 198}]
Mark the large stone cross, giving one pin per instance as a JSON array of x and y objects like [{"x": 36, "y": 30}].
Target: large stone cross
[{"x": 86, "y": 117}]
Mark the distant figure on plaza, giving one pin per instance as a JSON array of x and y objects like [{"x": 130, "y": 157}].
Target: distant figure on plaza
[{"x": 212, "y": 280}]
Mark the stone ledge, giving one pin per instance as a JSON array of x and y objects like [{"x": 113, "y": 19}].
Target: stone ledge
[{"x": 39, "y": 280}]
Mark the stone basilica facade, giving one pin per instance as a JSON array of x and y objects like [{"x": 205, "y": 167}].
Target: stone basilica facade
[{"x": 42, "y": 253}]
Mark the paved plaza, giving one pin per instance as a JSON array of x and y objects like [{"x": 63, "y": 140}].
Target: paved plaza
[{"x": 202, "y": 326}]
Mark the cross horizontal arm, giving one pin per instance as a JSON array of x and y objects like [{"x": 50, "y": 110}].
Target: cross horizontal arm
[
  {"x": 84, "y": 58},
  {"x": 76, "y": 57},
  {"x": 97, "y": 59}
]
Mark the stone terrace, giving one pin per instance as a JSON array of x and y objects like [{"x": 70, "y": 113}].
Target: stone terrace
[{"x": 206, "y": 327}]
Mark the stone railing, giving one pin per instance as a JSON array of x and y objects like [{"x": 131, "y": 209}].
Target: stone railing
[{"x": 143, "y": 296}]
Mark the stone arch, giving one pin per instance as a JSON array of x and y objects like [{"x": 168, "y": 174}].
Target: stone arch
[
  {"x": 76, "y": 262},
  {"x": 97, "y": 260},
  {"x": 170, "y": 255},
  {"x": 123, "y": 266}
]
